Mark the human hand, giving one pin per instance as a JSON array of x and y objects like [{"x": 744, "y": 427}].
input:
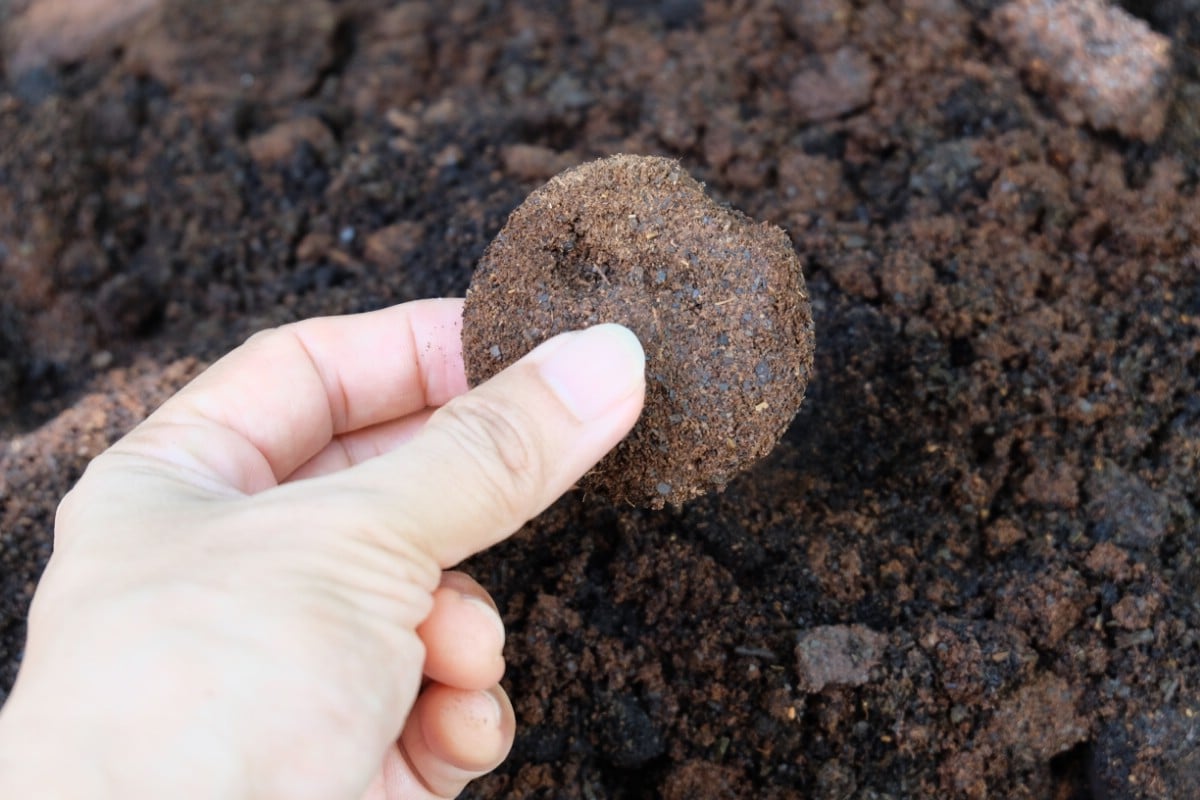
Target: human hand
[{"x": 247, "y": 597}]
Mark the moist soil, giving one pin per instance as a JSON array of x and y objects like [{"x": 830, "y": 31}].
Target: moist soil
[
  {"x": 970, "y": 567},
  {"x": 717, "y": 301}
]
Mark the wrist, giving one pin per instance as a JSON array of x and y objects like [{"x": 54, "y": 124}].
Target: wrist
[{"x": 40, "y": 757}]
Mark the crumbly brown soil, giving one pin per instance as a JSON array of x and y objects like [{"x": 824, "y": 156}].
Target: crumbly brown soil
[
  {"x": 982, "y": 526},
  {"x": 717, "y": 301}
]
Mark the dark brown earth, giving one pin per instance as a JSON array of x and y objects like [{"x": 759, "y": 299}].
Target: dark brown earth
[
  {"x": 981, "y": 530},
  {"x": 717, "y": 301}
]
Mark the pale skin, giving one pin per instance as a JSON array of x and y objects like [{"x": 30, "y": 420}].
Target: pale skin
[{"x": 250, "y": 594}]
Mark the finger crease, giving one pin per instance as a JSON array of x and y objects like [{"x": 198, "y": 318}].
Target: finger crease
[
  {"x": 422, "y": 364},
  {"x": 339, "y": 411},
  {"x": 412, "y": 768}
]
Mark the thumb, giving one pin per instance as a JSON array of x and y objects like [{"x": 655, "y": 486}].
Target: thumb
[{"x": 493, "y": 458}]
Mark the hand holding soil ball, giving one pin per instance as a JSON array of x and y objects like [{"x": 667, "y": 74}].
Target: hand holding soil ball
[
  {"x": 248, "y": 599},
  {"x": 717, "y": 300}
]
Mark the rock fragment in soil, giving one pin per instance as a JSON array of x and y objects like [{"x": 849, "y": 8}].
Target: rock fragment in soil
[
  {"x": 528, "y": 162},
  {"x": 717, "y": 300},
  {"x": 837, "y": 655},
  {"x": 388, "y": 246},
  {"x": 840, "y": 84},
  {"x": 52, "y": 32},
  {"x": 1098, "y": 64},
  {"x": 278, "y": 145},
  {"x": 1124, "y": 509}
]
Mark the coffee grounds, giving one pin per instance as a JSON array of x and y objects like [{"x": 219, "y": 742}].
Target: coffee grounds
[{"x": 717, "y": 300}]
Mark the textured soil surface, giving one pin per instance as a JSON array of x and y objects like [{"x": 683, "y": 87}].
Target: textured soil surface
[
  {"x": 717, "y": 301},
  {"x": 969, "y": 570}
]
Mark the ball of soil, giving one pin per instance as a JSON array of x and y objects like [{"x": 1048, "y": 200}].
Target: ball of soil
[{"x": 717, "y": 300}]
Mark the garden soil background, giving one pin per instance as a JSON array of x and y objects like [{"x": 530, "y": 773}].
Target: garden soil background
[{"x": 969, "y": 570}]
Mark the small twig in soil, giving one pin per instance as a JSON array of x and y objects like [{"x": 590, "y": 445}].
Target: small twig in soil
[{"x": 755, "y": 652}]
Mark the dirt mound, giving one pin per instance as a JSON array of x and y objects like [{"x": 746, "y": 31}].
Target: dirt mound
[{"x": 969, "y": 569}]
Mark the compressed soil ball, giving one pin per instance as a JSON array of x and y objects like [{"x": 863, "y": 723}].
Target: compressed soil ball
[{"x": 717, "y": 300}]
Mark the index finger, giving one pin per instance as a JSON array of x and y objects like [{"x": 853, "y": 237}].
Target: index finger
[{"x": 270, "y": 405}]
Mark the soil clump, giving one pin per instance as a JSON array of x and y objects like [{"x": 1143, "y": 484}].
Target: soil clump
[{"x": 717, "y": 301}]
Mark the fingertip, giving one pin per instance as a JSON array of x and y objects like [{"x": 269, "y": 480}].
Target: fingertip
[
  {"x": 466, "y": 585},
  {"x": 468, "y": 730},
  {"x": 455, "y": 736},
  {"x": 593, "y": 371},
  {"x": 492, "y": 459},
  {"x": 464, "y": 640},
  {"x": 486, "y": 614},
  {"x": 438, "y": 323}
]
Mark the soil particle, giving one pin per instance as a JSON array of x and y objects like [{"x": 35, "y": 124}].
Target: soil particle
[
  {"x": 1049, "y": 606},
  {"x": 820, "y": 22},
  {"x": 977, "y": 662},
  {"x": 701, "y": 779},
  {"x": 836, "y": 85},
  {"x": 718, "y": 302},
  {"x": 1097, "y": 62},
  {"x": 132, "y": 302},
  {"x": 1153, "y": 754},
  {"x": 1051, "y": 485},
  {"x": 390, "y": 245},
  {"x": 1034, "y": 724},
  {"x": 1124, "y": 509},
  {"x": 278, "y": 145},
  {"x": 1134, "y": 612},
  {"x": 1002, "y": 535},
  {"x": 626, "y": 736},
  {"x": 530, "y": 162},
  {"x": 1109, "y": 561},
  {"x": 837, "y": 655},
  {"x": 65, "y": 31},
  {"x": 1039, "y": 721}
]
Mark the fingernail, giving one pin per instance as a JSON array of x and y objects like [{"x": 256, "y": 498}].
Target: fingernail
[
  {"x": 595, "y": 369},
  {"x": 483, "y": 608}
]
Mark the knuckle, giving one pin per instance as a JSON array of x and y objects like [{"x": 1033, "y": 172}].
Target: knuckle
[
  {"x": 66, "y": 511},
  {"x": 79, "y": 503},
  {"x": 264, "y": 337},
  {"x": 499, "y": 441}
]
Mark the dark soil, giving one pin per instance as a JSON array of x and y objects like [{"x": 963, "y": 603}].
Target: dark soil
[
  {"x": 969, "y": 570},
  {"x": 717, "y": 301}
]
